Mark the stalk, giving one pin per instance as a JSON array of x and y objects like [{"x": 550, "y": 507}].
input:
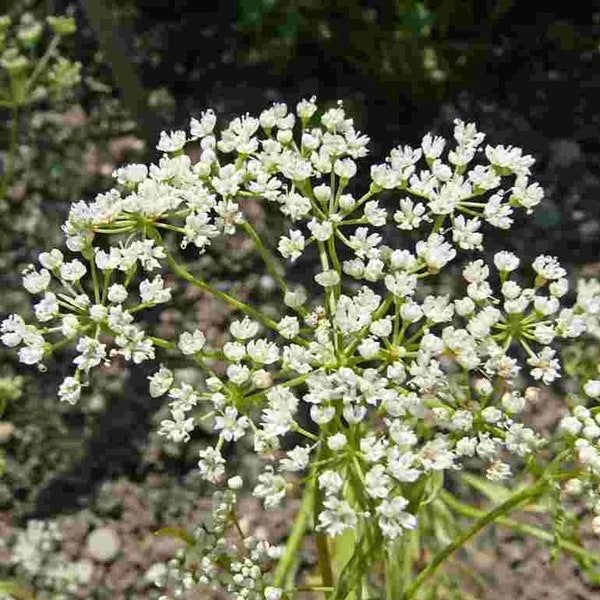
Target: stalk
[
  {"x": 515, "y": 500},
  {"x": 14, "y": 139},
  {"x": 524, "y": 528},
  {"x": 290, "y": 554}
]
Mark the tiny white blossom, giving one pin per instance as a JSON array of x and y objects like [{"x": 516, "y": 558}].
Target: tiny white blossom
[{"x": 191, "y": 342}]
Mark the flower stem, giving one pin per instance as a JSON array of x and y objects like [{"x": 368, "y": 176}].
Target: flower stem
[
  {"x": 10, "y": 161},
  {"x": 515, "y": 500},
  {"x": 524, "y": 528},
  {"x": 266, "y": 256},
  {"x": 230, "y": 300},
  {"x": 290, "y": 554}
]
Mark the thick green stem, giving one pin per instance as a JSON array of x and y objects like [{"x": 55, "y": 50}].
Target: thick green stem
[
  {"x": 399, "y": 567},
  {"x": 290, "y": 555},
  {"x": 322, "y": 543},
  {"x": 515, "y": 500}
]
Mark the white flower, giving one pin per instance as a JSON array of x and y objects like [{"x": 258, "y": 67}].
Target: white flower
[
  {"x": 92, "y": 353},
  {"x": 32, "y": 353},
  {"x": 231, "y": 426},
  {"x": 435, "y": 251},
  {"x": 98, "y": 312},
  {"x": 291, "y": 247},
  {"x": 160, "y": 382},
  {"x": 491, "y": 414},
  {"x": 305, "y": 110},
  {"x": 322, "y": 231},
  {"x": 244, "y": 329},
  {"x": 337, "y": 517},
  {"x": 369, "y": 348},
  {"x": 527, "y": 196},
  {"x": 327, "y": 278},
  {"x": 394, "y": 519},
  {"x": 377, "y": 482},
  {"x": 410, "y": 214},
  {"x": 506, "y": 261},
  {"x": 271, "y": 488},
  {"x": 234, "y": 351},
  {"x": 171, "y": 142},
  {"x": 262, "y": 351},
  {"x": 69, "y": 325},
  {"x": 47, "y": 308},
  {"x": 51, "y": 260},
  {"x": 498, "y": 471},
  {"x": 35, "y": 282},
  {"x": 337, "y": 441},
  {"x": 203, "y": 127},
  {"x": 117, "y": 293},
  {"x": 592, "y": 388},
  {"x": 548, "y": 267},
  {"x": 382, "y": 327},
  {"x": 154, "y": 291},
  {"x": 432, "y": 146},
  {"x": 211, "y": 464},
  {"x": 345, "y": 168},
  {"x": 131, "y": 174},
  {"x": 289, "y": 327},
  {"x": 401, "y": 284},
  {"x": 72, "y": 271},
  {"x": 375, "y": 215},
  {"x": 235, "y": 483},
  {"x": 296, "y": 460},
  {"x": 294, "y": 298},
  {"x": 191, "y": 343},
  {"x": 330, "y": 482},
  {"x": 70, "y": 390},
  {"x": 545, "y": 366},
  {"x": 273, "y": 593}
]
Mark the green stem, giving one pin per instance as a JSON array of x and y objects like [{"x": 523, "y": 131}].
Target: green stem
[
  {"x": 41, "y": 65},
  {"x": 230, "y": 300},
  {"x": 321, "y": 541},
  {"x": 266, "y": 256},
  {"x": 12, "y": 152},
  {"x": 493, "y": 515},
  {"x": 398, "y": 567},
  {"x": 290, "y": 555},
  {"x": 524, "y": 528}
]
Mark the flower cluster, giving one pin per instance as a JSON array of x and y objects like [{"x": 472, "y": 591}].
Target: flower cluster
[
  {"x": 236, "y": 564},
  {"x": 36, "y": 552},
  {"x": 387, "y": 385}
]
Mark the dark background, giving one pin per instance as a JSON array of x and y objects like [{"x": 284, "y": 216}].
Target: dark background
[{"x": 527, "y": 73}]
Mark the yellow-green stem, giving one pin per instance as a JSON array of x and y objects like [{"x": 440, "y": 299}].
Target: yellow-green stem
[{"x": 522, "y": 497}]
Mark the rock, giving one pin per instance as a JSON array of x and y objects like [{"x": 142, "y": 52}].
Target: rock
[
  {"x": 564, "y": 153},
  {"x": 6, "y": 431},
  {"x": 103, "y": 544}
]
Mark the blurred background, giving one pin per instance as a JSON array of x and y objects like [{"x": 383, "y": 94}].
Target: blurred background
[{"x": 96, "y": 477}]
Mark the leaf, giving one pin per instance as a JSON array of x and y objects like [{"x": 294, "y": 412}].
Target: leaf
[
  {"x": 434, "y": 484},
  {"x": 15, "y": 590},
  {"x": 289, "y": 29},
  {"x": 176, "y": 532},
  {"x": 353, "y": 572}
]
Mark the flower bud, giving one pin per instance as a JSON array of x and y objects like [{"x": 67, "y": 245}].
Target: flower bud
[{"x": 62, "y": 25}]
